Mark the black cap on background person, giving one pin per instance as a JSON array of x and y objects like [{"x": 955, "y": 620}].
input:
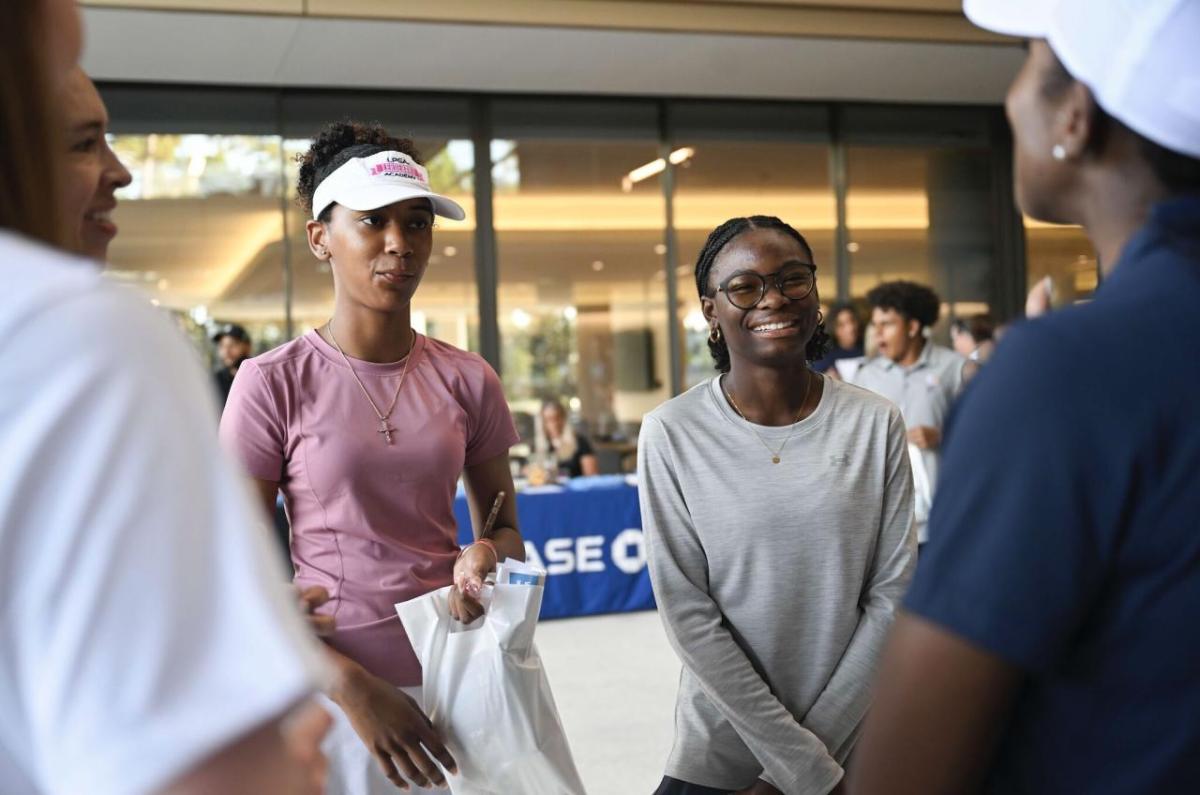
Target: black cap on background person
[
  {"x": 233, "y": 347},
  {"x": 231, "y": 330}
]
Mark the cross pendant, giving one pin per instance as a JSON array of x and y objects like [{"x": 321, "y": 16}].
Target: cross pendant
[{"x": 386, "y": 430}]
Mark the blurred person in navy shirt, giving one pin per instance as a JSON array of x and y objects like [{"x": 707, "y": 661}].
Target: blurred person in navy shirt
[
  {"x": 847, "y": 337},
  {"x": 1049, "y": 640}
]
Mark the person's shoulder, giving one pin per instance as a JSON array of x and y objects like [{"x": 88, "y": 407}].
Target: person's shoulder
[
  {"x": 37, "y": 278},
  {"x": 457, "y": 369},
  {"x": 684, "y": 408},
  {"x": 1044, "y": 370},
  {"x": 1052, "y": 345},
  {"x": 443, "y": 354},
  {"x": 282, "y": 356},
  {"x": 860, "y": 400},
  {"x": 71, "y": 314},
  {"x": 874, "y": 364},
  {"x": 942, "y": 357}
]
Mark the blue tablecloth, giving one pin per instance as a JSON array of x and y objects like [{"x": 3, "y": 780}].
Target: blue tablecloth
[{"x": 588, "y": 537}]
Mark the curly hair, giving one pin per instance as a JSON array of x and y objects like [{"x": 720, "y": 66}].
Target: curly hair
[
  {"x": 911, "y": 300},
  {"x": 339, "y": 143},
  {"x": 720, "y": 237}
]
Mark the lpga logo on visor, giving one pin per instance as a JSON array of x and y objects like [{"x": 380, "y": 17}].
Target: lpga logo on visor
[
  {"x": 398, "y": 167},
  {"x": 367, "y": 183}
]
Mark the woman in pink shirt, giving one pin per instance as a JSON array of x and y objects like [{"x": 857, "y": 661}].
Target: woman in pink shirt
[{"x": 365, "y": 425}]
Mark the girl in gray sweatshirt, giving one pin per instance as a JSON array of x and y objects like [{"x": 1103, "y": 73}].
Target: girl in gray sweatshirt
[{"x": 778, "y": 512}]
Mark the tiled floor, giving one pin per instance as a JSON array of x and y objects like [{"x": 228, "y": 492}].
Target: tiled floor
[{"x": 614, "y": 680}]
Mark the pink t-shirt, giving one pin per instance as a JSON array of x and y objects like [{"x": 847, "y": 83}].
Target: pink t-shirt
[{"x": 371, "y": 522}]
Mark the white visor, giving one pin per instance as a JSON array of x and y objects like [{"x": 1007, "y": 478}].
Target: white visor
[
  {"x": 1140, "y": 58},
  {"x": 368, "y": 183},
  {"x": 1028, "y": 19}
]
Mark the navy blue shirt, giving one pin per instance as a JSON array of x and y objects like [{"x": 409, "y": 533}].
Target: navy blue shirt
[
  {"x": 836, "y": 354},
  {"x": 1065, "y": 536}
]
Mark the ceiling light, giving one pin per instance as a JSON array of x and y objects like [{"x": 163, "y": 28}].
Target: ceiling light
[
  {"x": 597, "y": 266},
  {"x": 655, "y": 167},
  {"x": 680, "y": 155},
  {"x": 660, "y": 248},
  {"x": 449, "y": 251}
]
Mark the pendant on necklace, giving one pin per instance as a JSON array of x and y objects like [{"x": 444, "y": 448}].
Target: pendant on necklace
[
  {"x": 386, "y": 430},
  {"x": 774, "y": 459}
]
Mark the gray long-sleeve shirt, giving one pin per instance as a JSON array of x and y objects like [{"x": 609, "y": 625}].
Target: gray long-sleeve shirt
[{"x": 776, "y": 583}]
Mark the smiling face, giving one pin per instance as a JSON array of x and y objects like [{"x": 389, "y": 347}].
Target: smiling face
[
  {"x": 92, "y": 173},
  {"x": 775, "y": 331},
  {"x": 378, "y": 256}
]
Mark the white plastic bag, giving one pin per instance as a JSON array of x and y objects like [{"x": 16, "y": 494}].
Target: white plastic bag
[
  {"x": 922, "y": 485},
  {"x": 486, "y": 692}
]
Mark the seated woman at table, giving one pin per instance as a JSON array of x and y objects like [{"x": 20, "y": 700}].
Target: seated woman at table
[
  {"x": 365, "y": 426},
  {"x": 778, "y": 511},
  {"x": 572, "y": 451}
]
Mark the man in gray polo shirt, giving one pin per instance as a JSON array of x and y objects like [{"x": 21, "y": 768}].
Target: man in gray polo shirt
[{"x": 921, "y": 378}]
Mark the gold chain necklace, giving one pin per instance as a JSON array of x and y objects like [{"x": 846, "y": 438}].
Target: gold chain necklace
[
  {"x": 775, "y": 454},
  {"x": 384, "y": 428}
]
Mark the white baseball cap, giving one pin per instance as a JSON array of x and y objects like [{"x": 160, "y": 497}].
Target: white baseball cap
[
  {"x": 1140, "y": 58},
  {"x": 368, "y": 183}
]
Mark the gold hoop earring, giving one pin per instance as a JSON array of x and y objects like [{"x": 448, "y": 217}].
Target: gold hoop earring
[{"x": 714, "y": 336}]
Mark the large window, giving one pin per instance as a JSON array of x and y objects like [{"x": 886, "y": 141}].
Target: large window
[
  {"x": 923, "y": 214},
  {"x": 580, "y": 224},
  {"x": 598, "y": 209},
  {"x": 201, "y": 228}
]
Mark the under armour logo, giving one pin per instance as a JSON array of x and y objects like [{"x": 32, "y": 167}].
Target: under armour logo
[{"x": 839, "y": 460}]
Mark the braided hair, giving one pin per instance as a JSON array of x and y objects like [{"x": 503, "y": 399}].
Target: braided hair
[
  {"x": 336, "y": 145},
  {"x": 720, "y": 237}
]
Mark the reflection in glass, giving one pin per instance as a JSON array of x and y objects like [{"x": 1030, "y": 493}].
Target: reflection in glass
[
  {"x": 201, "y": 219},
  {"x": 922, "y": 214},
  {"x": 582, "y": 294}
]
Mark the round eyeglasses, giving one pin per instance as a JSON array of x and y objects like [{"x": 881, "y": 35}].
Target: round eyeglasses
[{"x": 744, "y": 290}]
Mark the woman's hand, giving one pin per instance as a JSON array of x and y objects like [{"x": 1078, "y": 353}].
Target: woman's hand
[
  {"x": 471, "y": 569},
  {"x": 310, "y": 599},
  {"x": 394, "y": 729}
]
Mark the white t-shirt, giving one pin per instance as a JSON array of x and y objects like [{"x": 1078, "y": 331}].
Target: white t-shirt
[{"x": 142, "y": 623}]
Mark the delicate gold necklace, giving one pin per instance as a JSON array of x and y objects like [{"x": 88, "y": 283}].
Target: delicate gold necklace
[
  {"x": 384, "y": 427},
  {"x": 775, "y": 454}
]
